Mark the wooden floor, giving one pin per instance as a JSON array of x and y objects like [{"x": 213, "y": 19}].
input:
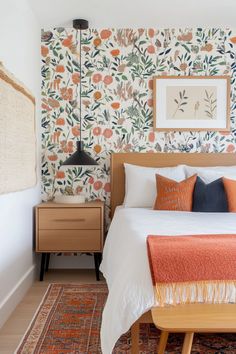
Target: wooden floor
[{"x": 13, "y": 330}]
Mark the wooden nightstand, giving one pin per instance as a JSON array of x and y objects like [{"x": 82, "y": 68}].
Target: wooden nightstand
[{"x": 69, "y": 228}]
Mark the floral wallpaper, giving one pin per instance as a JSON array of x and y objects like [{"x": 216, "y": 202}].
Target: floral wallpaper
[{"x": 118, "y": 66}]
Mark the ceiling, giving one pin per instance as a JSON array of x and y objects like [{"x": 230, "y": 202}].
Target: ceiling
[{"x": 136, "y": 13}]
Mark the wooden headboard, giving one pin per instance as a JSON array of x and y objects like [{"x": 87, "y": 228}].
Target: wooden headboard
[{"x": 158, "y": 160}]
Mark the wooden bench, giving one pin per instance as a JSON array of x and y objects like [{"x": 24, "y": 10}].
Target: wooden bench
[{"x": 193, "y": 318}]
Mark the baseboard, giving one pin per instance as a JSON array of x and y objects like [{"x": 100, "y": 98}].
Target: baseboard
[{"x": 13, "y": 298}]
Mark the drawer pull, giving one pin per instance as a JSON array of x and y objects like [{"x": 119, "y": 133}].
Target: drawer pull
[{"x": 69, "y": 220}]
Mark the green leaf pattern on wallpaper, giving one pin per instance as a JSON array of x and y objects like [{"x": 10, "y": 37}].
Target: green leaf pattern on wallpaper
[{"x": 118, "y": 67}]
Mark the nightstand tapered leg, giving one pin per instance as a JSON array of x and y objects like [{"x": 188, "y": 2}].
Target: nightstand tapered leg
[
  {"x": 100, "y": 258},
  {"x": 96, "y": 262},
  {"x": 43, "y": 259},
  {"x": 47, "y": 261}
]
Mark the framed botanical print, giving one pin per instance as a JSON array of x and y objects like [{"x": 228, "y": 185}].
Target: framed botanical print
[{"x": 191, "y": 103}]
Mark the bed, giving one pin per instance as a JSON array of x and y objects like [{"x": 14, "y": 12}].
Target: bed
[{"x": 126, "y": 270}]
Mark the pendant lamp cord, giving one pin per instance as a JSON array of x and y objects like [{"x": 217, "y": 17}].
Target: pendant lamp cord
[{"x": 80, "y": 86}]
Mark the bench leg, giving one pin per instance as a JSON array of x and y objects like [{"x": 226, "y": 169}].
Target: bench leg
[
  {"x": 135, "y": 338},
  {"x": 188, "y": 340},
  {"x": 162, "y": 343}
]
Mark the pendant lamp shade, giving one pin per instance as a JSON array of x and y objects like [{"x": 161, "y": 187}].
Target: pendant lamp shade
[{"x": 80, "y": 157}]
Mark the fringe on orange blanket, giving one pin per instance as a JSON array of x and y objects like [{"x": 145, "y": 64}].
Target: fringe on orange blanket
[{"x": 194, "y": 292}]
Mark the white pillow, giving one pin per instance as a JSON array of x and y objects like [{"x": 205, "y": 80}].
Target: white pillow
[
  {"x": 210, "y": 174},
  {"x": 140, "y": 183}
]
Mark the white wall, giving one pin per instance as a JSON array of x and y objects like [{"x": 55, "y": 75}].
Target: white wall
[
  {"x": 136, "y": 13},
  {"x": 19, "y": 52}
]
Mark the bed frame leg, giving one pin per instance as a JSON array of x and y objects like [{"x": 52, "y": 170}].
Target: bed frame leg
[
  {"x": 188, "y": 340},
  {"x": 162, "y": 343},
  {"x": 135, "y": 338}
]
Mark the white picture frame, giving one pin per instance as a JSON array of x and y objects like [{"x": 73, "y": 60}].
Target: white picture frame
[{"x": 191, "y": 103}]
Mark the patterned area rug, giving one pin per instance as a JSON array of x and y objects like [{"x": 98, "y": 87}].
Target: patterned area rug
[{"x": 68, "y": 321}]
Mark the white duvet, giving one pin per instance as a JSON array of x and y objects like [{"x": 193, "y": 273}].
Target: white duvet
[{"x": 125, "y": 262}]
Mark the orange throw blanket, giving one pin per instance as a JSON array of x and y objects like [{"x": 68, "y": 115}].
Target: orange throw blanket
[{"x": 194, "y": 268}]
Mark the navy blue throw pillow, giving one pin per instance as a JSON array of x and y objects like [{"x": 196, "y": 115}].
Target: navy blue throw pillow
[{"x": 210, "y": 197}]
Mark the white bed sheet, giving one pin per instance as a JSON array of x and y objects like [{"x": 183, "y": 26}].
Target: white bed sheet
[{"x": 125, "y": 261}]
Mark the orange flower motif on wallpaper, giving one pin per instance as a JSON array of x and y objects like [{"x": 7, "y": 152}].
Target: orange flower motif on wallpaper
[
  {"x": 91, "y": 180},
  {"x": 97, "y": 185},
  {"x": 53, "y": 157},
  {"x": 107, "y": 133},
  {"x": 233, "y": 40},
  {"x": 107, "y": 187},
  {"x": 60, "y": 121},
  {"x": 44, "y": 51},
  {"x": 97, "y": 42},
  {"x": 67, "y": 94},
  {"x": 230, "y": 148},
  {"x": 151, "y": 49},
  {"x": 67, "y": 42},
  {"x": 207, "y": 47},
  {"x": 76, "y": 130},
  {"x": 183, "y": 66},
  {"x": 97, "y": 78},
  {"x": 117, "y": 103},
  {"x": 97, "y": 148},
  {"x": 67, "y": 146},
  {"x": 97, "y": 95},
  {"x": 185, "y": 37},
  {"x": 105, "y": 34},
  {"x": 108, "y": 80},
  {"x": 55, "y": 136},
  {"x": 60, "y": 68},
  {"x": 97, "y": 131},
  {"x": 60, "y": 174},
  {"x": 75, "y": 78},
  {"x": 151, "y": 32},
  {"x": 150, "y": 84},
  {"x": 151, "y": 137},
  {"x": 115, "y": 52}
]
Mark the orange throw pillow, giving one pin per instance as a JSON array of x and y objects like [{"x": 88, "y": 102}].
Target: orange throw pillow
[
  {"x": 230, "y": 190},
  {"x": 172, "y": 195}
]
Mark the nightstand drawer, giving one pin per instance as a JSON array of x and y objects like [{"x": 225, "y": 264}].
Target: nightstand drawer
[
  {"x": 69, "y": 219},
  {"x": 69, "y": 240}
]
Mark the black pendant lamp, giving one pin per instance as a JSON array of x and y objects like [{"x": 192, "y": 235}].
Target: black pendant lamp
[{"x": 80, "y": 157}]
